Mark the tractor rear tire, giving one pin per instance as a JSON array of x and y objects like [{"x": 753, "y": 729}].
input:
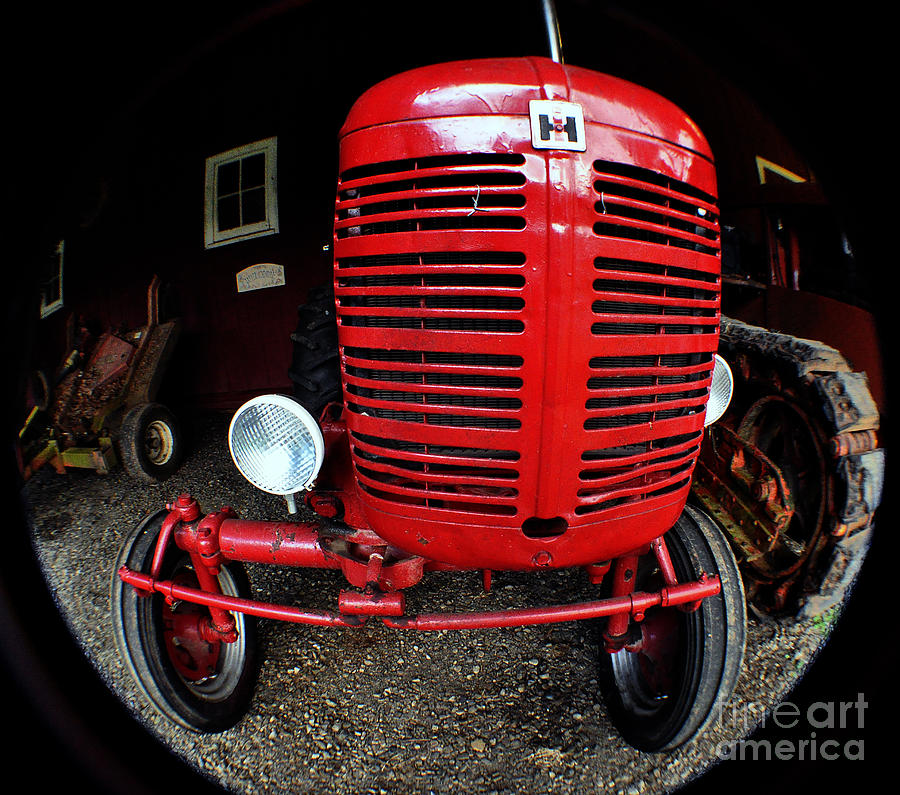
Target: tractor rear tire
[{"x": 315, "y": 369}]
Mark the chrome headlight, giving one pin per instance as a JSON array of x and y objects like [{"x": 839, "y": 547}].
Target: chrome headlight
[
  {"x": 276, "y": 444},
  {"x": 719, "y": 391}
]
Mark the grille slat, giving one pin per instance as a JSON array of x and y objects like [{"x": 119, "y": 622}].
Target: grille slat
[
  {"x": 663, "y": 467},
  {"x": 443, "y": 383},
  {"x": 431, "y": 261},
  {"x": 429, "y": 166},
  {"x": 487, "y": 400},
  {"x": 448, "y": 198},
  {"x": 656, "y": 402},
  {"x": 635, "y": 454},
  {"x": 628, "y": 390},
  {"x": 440, "y": 475},
  {"x": 610, "y": 372}
]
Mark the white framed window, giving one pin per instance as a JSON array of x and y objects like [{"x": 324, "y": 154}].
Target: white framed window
[
  {"x": 241, "y": 200},
  {"x": 52, "y": 281}
]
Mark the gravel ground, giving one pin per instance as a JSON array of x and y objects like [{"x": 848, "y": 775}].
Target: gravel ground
[{"x": 375, "y": 710}]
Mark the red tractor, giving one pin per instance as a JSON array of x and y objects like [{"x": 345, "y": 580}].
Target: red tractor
[{"x": 527, "y": 283}]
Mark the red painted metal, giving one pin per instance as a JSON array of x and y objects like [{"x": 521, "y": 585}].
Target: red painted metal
[
  {"x": 661, "y": 551},
  {"x": 221, "y": 623},
  {"x": 281, "y": 543},
  {"x": 760, "y": 504},
  {"x": 371, "y": 603},
  {"x": 636, "y": 603},
  {"x": 192, "y": 648},
  {"x": 504, "y": 86},
  {"x": 624, "y": 575},
  {"x": 308, "y": 545},
  {"x": 249, "y": 606},
  {"x": 526, "y": 335}
]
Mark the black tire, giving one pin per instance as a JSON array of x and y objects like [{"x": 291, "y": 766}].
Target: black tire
[
  {"x": 217, "y": 695},
  {"x": 662, "y": 696},
  {"x": 150, "y": 442},
  {"x": 315, "y": 368}
]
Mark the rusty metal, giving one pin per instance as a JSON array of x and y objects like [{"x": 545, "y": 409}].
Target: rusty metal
[
  {"x": 99, "y": 379},
  {"x": 794, "y": 466},
  {"x": 852, "y": 443},
  {"x": 745, "y": 491},
  {"x": 847, "y": 403}
]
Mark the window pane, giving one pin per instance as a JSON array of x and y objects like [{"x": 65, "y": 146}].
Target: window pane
[
  {"x": 228, "y": 178},
  {"x": 254, "y": 205},
  {"x": 229, "y": 213},
  {"x": 253, "y": 171},
  {"x": 239, "y": 204}
]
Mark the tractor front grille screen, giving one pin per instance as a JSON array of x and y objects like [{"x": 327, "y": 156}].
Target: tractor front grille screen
[{"x": 473, "y": 390}]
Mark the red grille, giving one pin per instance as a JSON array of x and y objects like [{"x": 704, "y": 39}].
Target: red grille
[
  {"x": 521, "y": 347},
  {"x": 458, "y": 292},
  {"x": 636, "y": 299}
]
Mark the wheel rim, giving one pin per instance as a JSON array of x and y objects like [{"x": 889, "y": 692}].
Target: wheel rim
[
  {"x": 655, "y": 676},
  {"x": 159, "y": 442},
  {"x": 211, "y": 671},
  {"x": 659, "y": 653},
  {"x": 205, "y": 688}
]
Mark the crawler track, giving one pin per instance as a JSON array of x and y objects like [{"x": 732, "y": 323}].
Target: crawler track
[{"x": 793, "y": 471}]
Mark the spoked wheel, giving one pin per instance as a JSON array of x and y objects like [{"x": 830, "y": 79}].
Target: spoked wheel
[
  {"x": 203, "y": 686},
  {"x": 787, "y": 436},
  {"x": 683, "y": 667}
]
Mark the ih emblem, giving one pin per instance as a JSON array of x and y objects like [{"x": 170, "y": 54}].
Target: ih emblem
[{"x": 557, "y": 125}]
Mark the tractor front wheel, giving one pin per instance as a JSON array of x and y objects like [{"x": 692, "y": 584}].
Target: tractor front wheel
[
  {"x": 201, "y": 685},
  {"x": 681, "y": 667}
]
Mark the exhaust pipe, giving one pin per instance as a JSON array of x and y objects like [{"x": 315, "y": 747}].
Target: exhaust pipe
[{"x": 554, "y": 40}]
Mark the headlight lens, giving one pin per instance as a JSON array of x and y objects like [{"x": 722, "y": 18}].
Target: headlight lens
[
  {"x": 719, "y": 391},
  {"x": 276, "y": 444}
]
